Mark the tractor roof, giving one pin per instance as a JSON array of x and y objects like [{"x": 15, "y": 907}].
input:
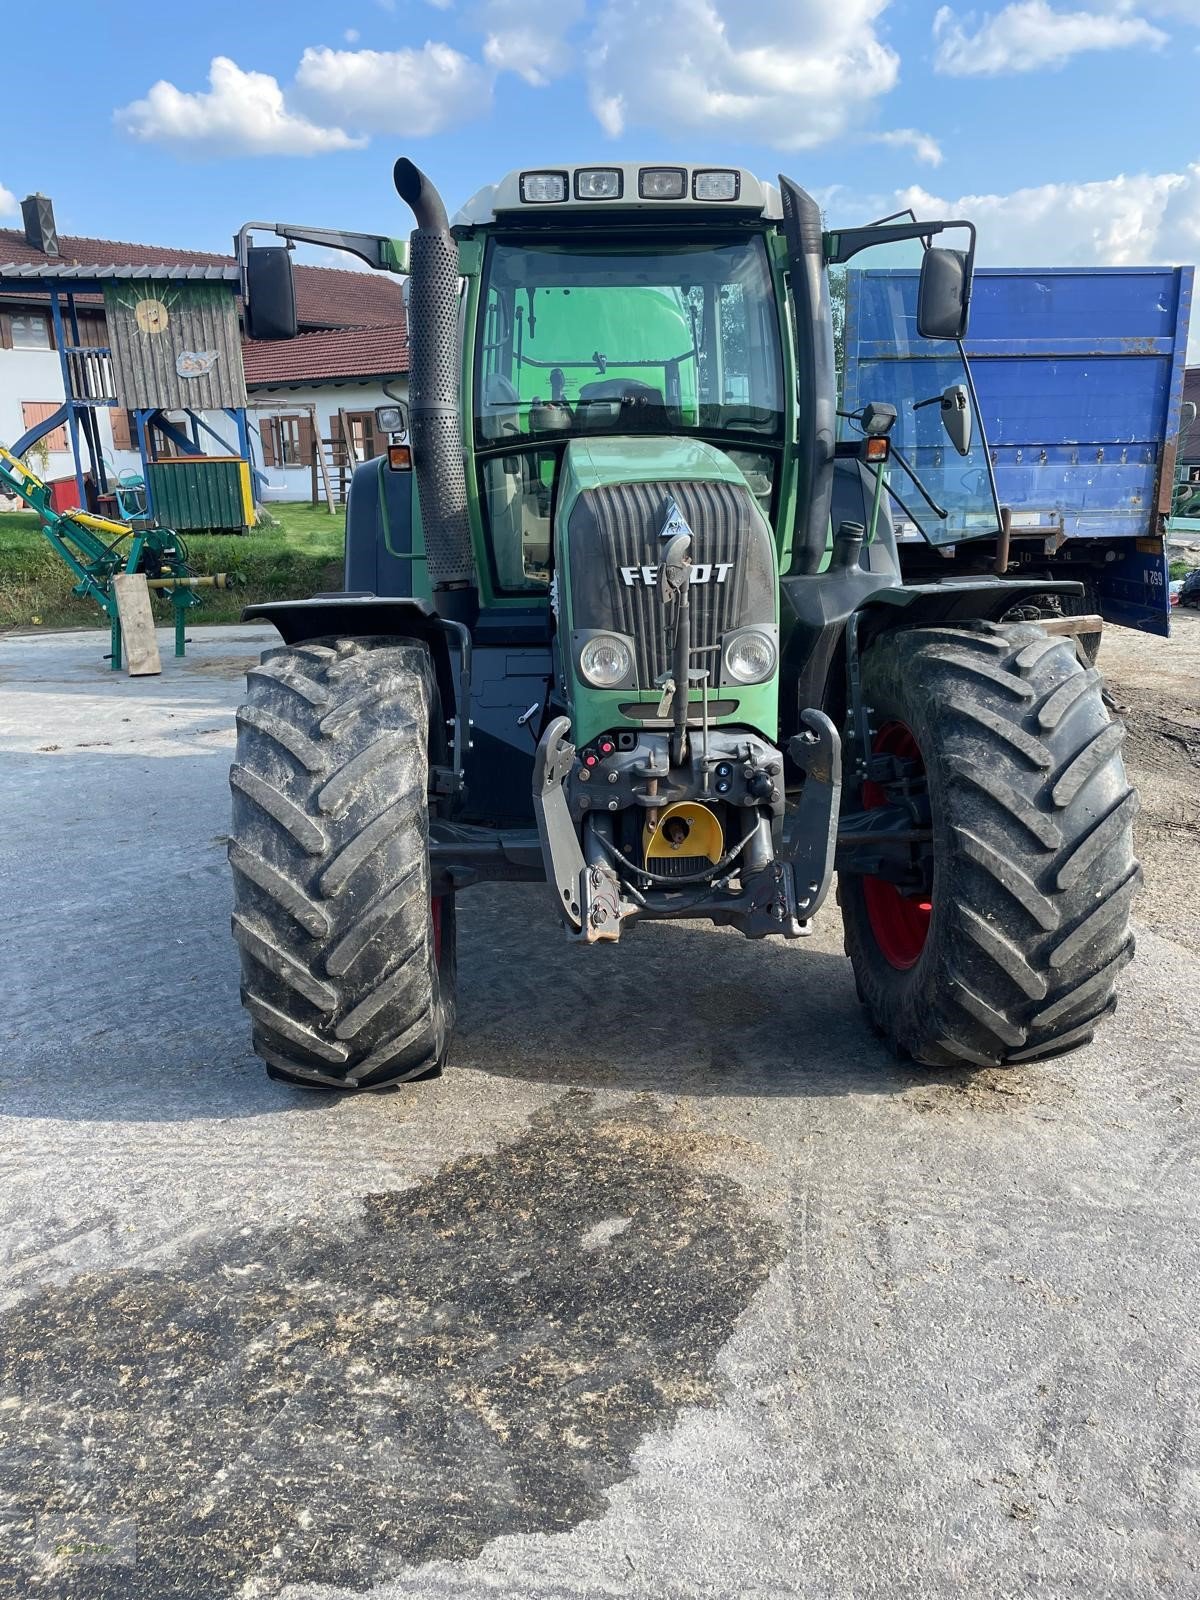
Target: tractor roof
[{"x": 621, "y": 186}]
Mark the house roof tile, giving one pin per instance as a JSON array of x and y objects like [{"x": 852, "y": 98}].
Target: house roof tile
[{"x": 375, "y": 352}]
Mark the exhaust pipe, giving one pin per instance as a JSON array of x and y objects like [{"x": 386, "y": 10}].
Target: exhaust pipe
[{"x": 434, "y": 381}]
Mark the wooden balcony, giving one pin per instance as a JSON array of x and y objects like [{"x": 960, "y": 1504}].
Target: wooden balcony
[{"x": 91, "y": 373}]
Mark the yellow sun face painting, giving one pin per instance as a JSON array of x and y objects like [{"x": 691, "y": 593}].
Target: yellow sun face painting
[{"x": 152, "y": 316}]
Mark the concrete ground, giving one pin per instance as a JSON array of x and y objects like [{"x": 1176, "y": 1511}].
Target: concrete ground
[{"x": 630, "y": 1303}]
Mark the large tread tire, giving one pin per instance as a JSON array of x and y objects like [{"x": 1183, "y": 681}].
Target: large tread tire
[
  {"x": 346, "y": 972},
  {"x": 1033, "y": 872}
]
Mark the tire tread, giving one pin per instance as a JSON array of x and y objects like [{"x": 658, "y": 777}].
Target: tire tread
[{"x": 1034, "y": 849}]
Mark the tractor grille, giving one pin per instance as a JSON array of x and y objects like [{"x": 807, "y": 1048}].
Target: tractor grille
[{"x": 618, "y": 526}]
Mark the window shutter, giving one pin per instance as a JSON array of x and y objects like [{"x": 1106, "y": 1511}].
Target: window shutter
[
  {"x": 306, "y": 441},
  {"x": 35, "y": 411},
  {"x": 122, "y": 428},
  {"x": 5, "y": 331},
  {"x": 267, "y": 435},
  {"x": 93, "y": 332}
]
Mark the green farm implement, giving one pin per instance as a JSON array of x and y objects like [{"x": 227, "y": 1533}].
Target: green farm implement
[{"x": 96, "y": 549}]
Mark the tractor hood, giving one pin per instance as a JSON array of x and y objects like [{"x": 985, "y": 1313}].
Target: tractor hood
[
  {"x": 616, "y": 496},
  {"x": 597, "y": 463}
]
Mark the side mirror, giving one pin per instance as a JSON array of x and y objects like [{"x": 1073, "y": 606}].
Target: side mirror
[
  {"x": 270, "y": 293},
  {"x": 943, "y": 294},
  {"x": 956, "y": 417}
]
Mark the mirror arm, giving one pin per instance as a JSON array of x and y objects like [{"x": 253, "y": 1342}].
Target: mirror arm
[
  {"x": 843, "y": 243},
  {"x": 380, "y": 253},
  {"x": 938, "y": 511},
  {"x": 969, "y": 378}
]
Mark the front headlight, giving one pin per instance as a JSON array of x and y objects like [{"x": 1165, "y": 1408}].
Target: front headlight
[
  {"x": 750, "y": 657},
  {"x": 606, "y": 661}
]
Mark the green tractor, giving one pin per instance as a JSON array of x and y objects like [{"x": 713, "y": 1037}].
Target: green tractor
[{"x": 626, "y": 612}]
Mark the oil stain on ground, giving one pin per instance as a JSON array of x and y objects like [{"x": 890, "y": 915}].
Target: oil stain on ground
[{"x": 476, "y": 1356}]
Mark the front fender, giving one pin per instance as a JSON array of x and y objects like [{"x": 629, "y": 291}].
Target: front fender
[
  {"x": 818, "y": 608},
  {"x": 363, "y": 616}
]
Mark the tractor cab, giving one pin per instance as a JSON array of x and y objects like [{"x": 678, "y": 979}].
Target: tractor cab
[{"x": 639, "y": 302}]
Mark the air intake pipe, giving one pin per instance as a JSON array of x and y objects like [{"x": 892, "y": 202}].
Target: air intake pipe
[{"x": 434, "y": 392}]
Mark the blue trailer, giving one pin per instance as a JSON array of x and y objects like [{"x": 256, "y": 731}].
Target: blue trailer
[{"x": 1079, "y": 374}]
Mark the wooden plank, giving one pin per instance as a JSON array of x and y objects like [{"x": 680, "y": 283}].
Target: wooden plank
[
  {"x": 137, "y": 624},
  {"x": 319, "y": 449},
  {"x": 347, "y": 438},
  {"x": 1085, "y": 624}
]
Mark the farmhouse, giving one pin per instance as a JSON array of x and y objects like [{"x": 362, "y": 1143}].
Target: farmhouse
[{"x": 350, "y": 356}]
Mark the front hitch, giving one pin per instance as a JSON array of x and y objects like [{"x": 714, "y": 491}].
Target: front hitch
[{"x": 588, "y": 898}]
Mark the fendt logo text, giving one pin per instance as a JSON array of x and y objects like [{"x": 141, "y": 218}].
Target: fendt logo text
[{"x": 702, "y": 572}]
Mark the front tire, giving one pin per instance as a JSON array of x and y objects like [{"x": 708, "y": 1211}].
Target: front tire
[
  {"x": 1010, "y": 950},
  {"x": 347, "y": 960}
]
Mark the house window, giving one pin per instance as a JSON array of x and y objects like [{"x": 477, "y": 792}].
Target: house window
[
  {"x": 35, "y": 411},
  {"x": 30, "y": 330},
  {"x": 362, "y": 435},
  {"x": 287, "y": 441},
  {"x": 288, "y": 429}
]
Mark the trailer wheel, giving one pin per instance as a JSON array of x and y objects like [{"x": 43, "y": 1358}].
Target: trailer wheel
[
  {"x": 1009, "y": 949},
  {"x": 347, "y": 953}
]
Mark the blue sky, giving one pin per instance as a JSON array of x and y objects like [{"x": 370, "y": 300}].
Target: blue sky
[{"x": 1066, "y": 132}]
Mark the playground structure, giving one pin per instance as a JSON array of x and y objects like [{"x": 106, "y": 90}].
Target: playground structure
[
  {"x": 98, "y": 549},
  {"x": 174, "y": 362}
]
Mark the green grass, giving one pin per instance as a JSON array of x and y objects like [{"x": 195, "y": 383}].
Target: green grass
[{"x": 296, "y": 555}]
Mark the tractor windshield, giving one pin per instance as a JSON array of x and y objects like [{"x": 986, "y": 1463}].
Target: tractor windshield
[
  {"x": 629, "y": 338},
  {"x": 586, "y": 338}
]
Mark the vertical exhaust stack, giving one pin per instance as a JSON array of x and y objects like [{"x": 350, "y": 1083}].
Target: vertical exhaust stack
[
  {"x": 434, "y": 390},
  {"x": 816, "y": 410}
]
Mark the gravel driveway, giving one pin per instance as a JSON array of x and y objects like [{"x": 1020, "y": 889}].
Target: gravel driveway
[{"x": 629, "y": 1303}]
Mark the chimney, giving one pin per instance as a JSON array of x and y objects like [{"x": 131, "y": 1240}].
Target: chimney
[{"x": 37, "y": 212}]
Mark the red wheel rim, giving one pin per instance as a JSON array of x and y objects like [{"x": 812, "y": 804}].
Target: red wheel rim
[{"x": 899, "y": 922}]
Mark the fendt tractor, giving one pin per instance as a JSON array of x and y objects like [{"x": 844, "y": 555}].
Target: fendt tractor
[{"x": 624, "y": 614}]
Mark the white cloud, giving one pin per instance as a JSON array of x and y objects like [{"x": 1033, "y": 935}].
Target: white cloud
[
  {"x": 8, "y": 202},
  {"x": 1123, "y": 221},
  {"x": 1146, "y": 219},
  {"x": 790, "y": 73},
  {"x": 243, "y": 113},
  {"x": 528, "y": 37},
  {"x": 1030, "y": 34},
  {"x": 411, "y": 92},
  {"x": 923, "y": 145},
  {"x": 351, "y": 36}
]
